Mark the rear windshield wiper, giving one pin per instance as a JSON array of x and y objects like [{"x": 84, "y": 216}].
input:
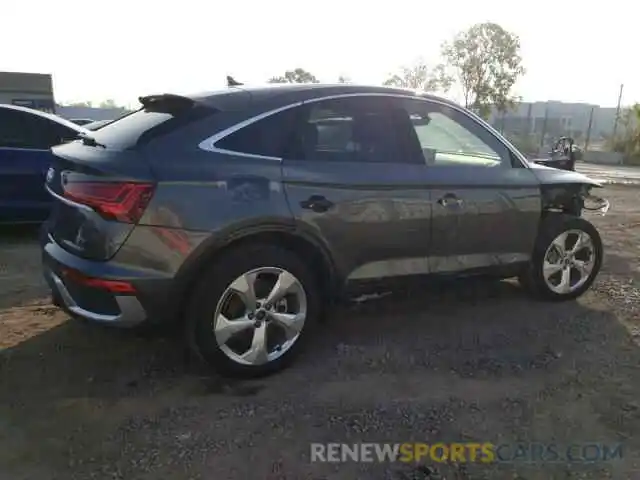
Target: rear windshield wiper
[{"x": 90, "y": 141}]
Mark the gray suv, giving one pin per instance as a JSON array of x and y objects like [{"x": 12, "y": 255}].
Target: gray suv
[{"x": 243, "y": 213}]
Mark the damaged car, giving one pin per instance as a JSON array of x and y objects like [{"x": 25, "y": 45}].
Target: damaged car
[{"x": 245, "y": 213}]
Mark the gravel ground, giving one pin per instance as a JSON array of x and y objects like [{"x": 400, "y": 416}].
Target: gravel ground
[{"x": 472, "y": 361}]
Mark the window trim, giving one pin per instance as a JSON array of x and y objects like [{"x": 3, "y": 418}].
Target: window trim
[{"x": 209, "y": 143}]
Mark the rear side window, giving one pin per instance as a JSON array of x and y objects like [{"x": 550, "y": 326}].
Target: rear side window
[
  {"x": 25, "y": 130},
  {"x": 266, "y": 137},
  {"x": 143, "y": 125},
  {"x": 357, "y": 129}
]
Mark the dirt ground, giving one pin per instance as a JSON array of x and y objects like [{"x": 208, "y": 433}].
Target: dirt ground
[{"x": 474, "y": 361}]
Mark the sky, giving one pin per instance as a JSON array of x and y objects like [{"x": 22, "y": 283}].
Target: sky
[{"x": 572, "y": 51}]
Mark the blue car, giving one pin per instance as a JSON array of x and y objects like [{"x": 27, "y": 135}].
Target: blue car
[{"x": 26, "y": 138}]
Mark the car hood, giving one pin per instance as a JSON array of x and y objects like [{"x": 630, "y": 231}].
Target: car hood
[{"x": 549, "y": 175}]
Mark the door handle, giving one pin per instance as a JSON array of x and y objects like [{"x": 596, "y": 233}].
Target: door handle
[
  {"x": 317, "y": 203},
  {"x": 450, "y": 200}
]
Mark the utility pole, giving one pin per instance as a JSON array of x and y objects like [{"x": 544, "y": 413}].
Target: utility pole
[
  {"x": 615, "y": 123},
  {"x": 586, "y": 142},
  {"x": 544, "y": 125}
]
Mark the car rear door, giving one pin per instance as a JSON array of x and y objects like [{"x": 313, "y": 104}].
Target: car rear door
[
  {"x": 354, "y": 180},
  {"x": 486, "y": 204},
  {"x": 25, "y": 140}
]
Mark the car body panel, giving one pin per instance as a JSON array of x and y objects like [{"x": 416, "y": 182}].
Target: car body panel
[
  {"x": 379, "y": 214},
  {"x": 494, "y": 223},
  {"x": 22, "y": 196},
  {"x": 553, "y": 176}
]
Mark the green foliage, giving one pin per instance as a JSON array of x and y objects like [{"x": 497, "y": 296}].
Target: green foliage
[
  {"x": 298, "y": 75},
  {"x": 487, "y": 63},
  {"x": 526, "y": 144},
  {"x": 627, "y": 141},
  {"x": 109, "y": 103},
  {"x": 420, "y": 77}
]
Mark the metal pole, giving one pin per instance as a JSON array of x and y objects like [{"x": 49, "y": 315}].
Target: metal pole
[
  {"x": 544, "y": 125},
  {"x": 615, "y": 123},
  {"x": 586, "y": 142}
]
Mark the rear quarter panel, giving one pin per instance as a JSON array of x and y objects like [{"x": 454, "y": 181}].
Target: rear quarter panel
[{"x": 204, "y": 198}]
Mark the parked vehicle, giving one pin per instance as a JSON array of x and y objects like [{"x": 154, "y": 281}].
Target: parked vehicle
[
  {"x": 563, "y": 155},
  {"x": 244, "y": 213},
  {"x": 26, "y": 136},
  {"x": 82, "y": 121}
]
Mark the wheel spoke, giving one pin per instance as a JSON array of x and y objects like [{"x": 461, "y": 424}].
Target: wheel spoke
[
  {"x": 582, "y": 241},
  {"x": 282, "y": 287},
  {"x": 560, "y": 243},
  {"x": 565, "y": 282},
  {"x": 291, "y": 322},
  {"x": 582, "y": 267},
  {"x": 225, "y": 328},
  {"x": 257, "y": 353},
  {"x": 550, "y": 269},
  {"x": 244, "y": 287}
]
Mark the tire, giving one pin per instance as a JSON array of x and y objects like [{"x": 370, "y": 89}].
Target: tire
[
  {"x": 211, "y": 293},
  {"x": 533, "y": 279}
]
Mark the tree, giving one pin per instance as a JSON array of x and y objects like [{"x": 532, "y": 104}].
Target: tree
[
  {"x": 344, "y": 79},
  {"x": 88, "y": 104},
  {"x": 487, "y": 63},
  {"x": 627, "y": 141},
  {"x": 299, "y": 75},
  {"x": 420, "y": 77},
  {"x": 109, "y": 103}
]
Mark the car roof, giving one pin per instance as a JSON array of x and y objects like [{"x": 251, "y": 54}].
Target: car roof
[
  {"x": 49, "y": 116},
  {"x": 294, "y": 92}
]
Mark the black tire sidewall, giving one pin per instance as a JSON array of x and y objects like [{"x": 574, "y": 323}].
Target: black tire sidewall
[
  {"x": 210, "y": 288},
  {"x": 550, "y": 228}
]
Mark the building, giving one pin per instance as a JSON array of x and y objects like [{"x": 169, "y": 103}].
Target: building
[
  {"x": 94, "y": 113},
  {"x": 553, "y": 119},
  {"x": 34, "y": 90}
]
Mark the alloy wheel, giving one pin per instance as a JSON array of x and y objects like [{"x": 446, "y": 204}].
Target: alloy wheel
[
  {"x": 569, "y": 261},
  {"x": 260, "y": 316}
]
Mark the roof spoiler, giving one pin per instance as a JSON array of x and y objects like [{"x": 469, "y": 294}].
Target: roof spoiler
[
  {"x": 166, "y": 102},
  {"x": 232, "y": 82}
]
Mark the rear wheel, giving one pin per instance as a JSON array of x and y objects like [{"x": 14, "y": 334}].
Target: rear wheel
[
  {"x": 566, "y": 259},
  {"x": 252, "y": 311}
]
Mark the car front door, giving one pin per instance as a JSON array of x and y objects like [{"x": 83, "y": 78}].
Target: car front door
[
  {"x": 25, "y": 140},
  {"x": 486, "y": 204},
  {"x": 355, "y": 180}
]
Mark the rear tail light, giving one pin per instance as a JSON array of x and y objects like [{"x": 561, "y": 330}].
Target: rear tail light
[
  {"x": 113, "y": 286},
  {"x": 122, "y": 201}
]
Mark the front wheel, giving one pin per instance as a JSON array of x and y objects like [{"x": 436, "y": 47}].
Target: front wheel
[
  {"x": 566, "y": 259},
  {"x": 252, "y": 311}
]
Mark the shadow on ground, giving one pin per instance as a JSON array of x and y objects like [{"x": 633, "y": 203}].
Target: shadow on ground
[
  {"x": 471, "y": 361},
  {"x": 20, "y": 279}
]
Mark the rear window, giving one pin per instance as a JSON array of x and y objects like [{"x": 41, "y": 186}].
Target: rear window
[{"x": 143, "y": 125}]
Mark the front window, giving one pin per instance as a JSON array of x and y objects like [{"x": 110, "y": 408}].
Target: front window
[{"x": 448, "y": 137}]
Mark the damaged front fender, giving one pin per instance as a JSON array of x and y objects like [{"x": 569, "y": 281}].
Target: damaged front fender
[{"x": 572, "y": 198}]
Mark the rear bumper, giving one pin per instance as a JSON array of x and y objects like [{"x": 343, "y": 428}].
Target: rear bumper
[
  {"x": 97, "y": 304},
  {"x": 130, "y": 310}
]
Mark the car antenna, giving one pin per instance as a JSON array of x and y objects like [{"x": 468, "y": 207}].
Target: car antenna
[{"x": 232, "y": 82}]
